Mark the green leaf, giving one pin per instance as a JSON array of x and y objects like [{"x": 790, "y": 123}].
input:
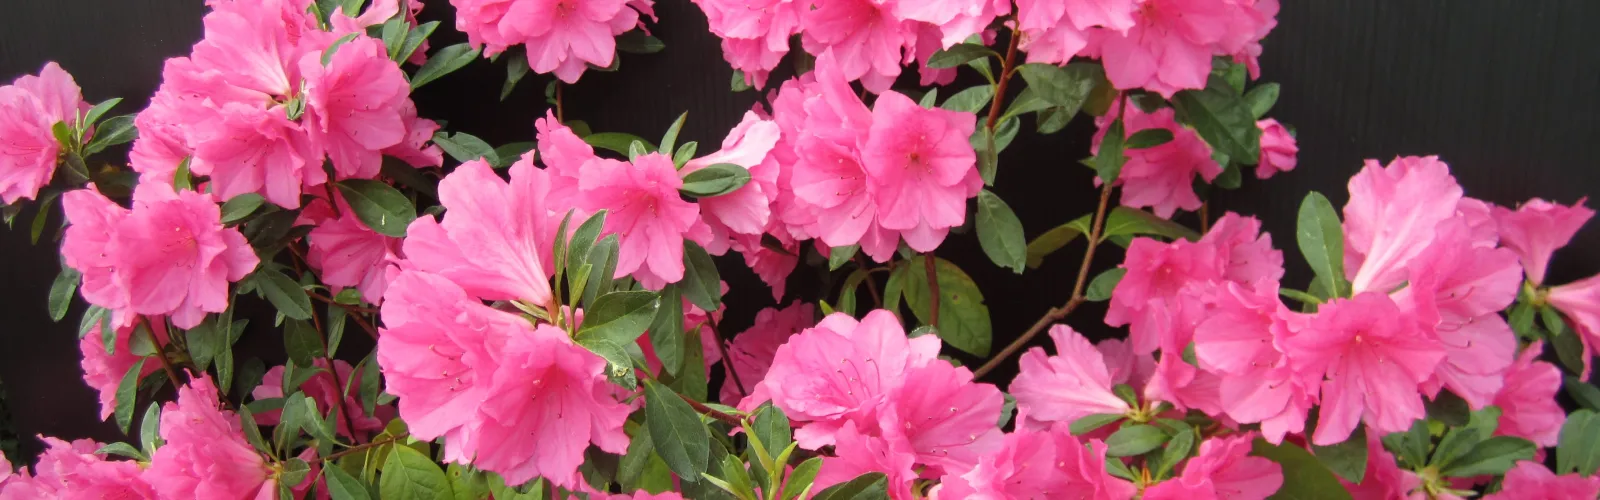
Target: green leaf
[
  {"x": 293, "y": 418},
  {"x": 616, "y": 320},
  {"x": 1134, "y": 440},
  {"x": 393, "y": 33},
  {"x": 638, "y": 42},
  {"x": 239, "y": 207},
  {"x": 1579, "y": 446},
  {"x": 1347, "y": 459},
  {"x": 1000, "y": 232},
  {"x": 284, "y": 293},
  {"x": 516, "y": 68},
  {"x": 715, "y": 180},
  {"x": 963, "y": 317},
  {"x": 464, "y": 147},
  {"x": 1493, "y": 456},
  {"x": 1222, "y": 118},
  {"x": 1410, "y": 447},
  {"x": 675, "y": 429},
  {"x": 739, "y": 84},
  {"x": 1587, "y": 396},
  {"x": 302, "y": 342},
  {"x": 1321, "y": 239},
  {"x": 1028, "y": 101},
  {"x": 971, "y": 100},
  {"x": 123, "y": 449},
  {"x": 1056, "y": 239},
  {"x": 509, "y": 153},
  {"x": 1132, "y": 221},
  {"x": 1109, "y": 159},
  {"x": 371, "y": 383},
  {"x": 150, "y": 429},
  {"x": 380, "y": 206},
  {"x": 343, "y": 486},
  {"x": 670, "y": 139},
  {"x": 1149, "y": 138},
  {"x": 93, "y": 317},
  {"x": 1067, "y": 86},
  {"x": 1570, "y": 350},
  {"x": 691, "y": 383},
  {"x": 604, "y": 259},
  {"x": 684, "y": 154},
  {"x": 582, "y": 242},
  {"x": 98, "y": 111},
  {"x": 1100, "y": 289},
  {"x": 1304, "y": 478},
  {"x": 1125, "y": 392},
  {"x": 410, "y": 475},
  {"x": 443, "y": 62},
  {"x": 847, "y": 293},
  {"x": 1552, "y": 321},
  {"x": 61, "y": 292},
  {"x": 1449, "y": 408},
  {"x": 413, "y": 41},
  {"x": 666, "y": 331},
  {"x": 637, "y": 149},
  {"x": 1090, "y": 423},
  {"x": 252, "y": 431},
  {"x": 1456, "y": 443},
  {"x": 42, "y": 216},
  {"x": 115, "y": 131},
  {"x": 735, "y": 479},
  {"x": 871, "y": 486},
  {"x": 701, "y": 283},
  {"x": 617, "y": 142},
  {"x": 771, "y": 427},
  {"x": 127, "y": 393},
  {"x": 1261, "y": 99},
  {"x": 1052, "y": 120},
  {"x": 958, "y": 55},
  {"x": 801, "y": 478},
  {"x": 1177, "y": 450},
  {"x": 838, "y": 256}
]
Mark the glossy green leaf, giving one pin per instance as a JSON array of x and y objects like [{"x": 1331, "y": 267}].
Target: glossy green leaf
[
  {"x": 1261, "y": 98},
  {"x": 963, "y": 317},
  {"x": 970, "y": 100},
  {"x": 715, "y": 180},
  {"x": 1132, "y": 221},
  {"x": 639, "y": 42},
  {"x": 114, "y": 131},
  {"x": 1222, "y": 118},
  {"x": 443, "y": 62},
  {"x": 669, "y": 141},
  {"x": 1056, "y": 239},
  {"x": 241, "y": 206},
  {"x": 871, "y": 486},
  {"x": 1304, "y": 478},
  {"x": 378, "y": 205},
  {"x": 1134, "y": 440},
  {"x": 464, "y": 147},
  {"x": 615, "y": 321},
  {"x": 62, "y": 290},
  {"x": 1111, "y": 156},
  {"x": 701, "y": 284},
  {"x": 98, "y": 111},
  {"x": 1578, "y": 448},
  {"x": 1000, "y": 232},
  {"x": 957, "y": 55},
  {"x": 1176, "y": 451},
  {"x": 1347, "y": 459},
  {"x": 1101, "y": 287},
  {"x": 1067, "y": 86},
  {"x": 1090, "y": 423},
  {"x": 284, "y": 293},
  {"x": 1149, "y": 138},
  {"x": 675, "y": 429},
  {"x": 123, "y": 449},
  {"x": 410, "y": 475},
  {"x": 343, "y": 486},
  {"x": 302, "y": 342},
  {"x": 1493, "y": 456},
  {"x": 516, "y": 68},
  {"x": 838, "y": 256},
  {"x": 1321, "y": 239},
  {"x": 1587, "y": 396},
  {"x": 617, "y": 142},
  {"x": 127, "y": 395}
]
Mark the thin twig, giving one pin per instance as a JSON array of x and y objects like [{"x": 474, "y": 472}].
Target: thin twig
[
  {"x": 727, "y": 361},
  {"x": 561, "y": 115},
  {"x": 933, "y": 288},
  {"x": 161, "y": 352},
  {"x": 1006, "y": 67},
  {"x": 364, "y": 447},
  {"x": 347, "y": 307},
  {"x": 872, "y": 286},
  {"x": 1058, "y": 313},
  {"x": 333, "y": 373},
  {"x": 1205, "y": 217},
  {"x": 708, "y": 411}
]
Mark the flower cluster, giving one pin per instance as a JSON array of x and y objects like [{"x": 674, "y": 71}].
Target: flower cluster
[
  {"x": 564, "y": 37},
  {"x": 29, "y": 109}
]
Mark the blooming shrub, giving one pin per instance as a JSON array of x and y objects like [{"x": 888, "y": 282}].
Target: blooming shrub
[{"x": 546, "y": 318}]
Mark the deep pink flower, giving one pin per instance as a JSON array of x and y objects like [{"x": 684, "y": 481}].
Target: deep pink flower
[
  {"x": 1054, "y": 32},
  {"x": 1170, "y": 44},
  {"x": 495, "y": 237},
  {"x": 955, "y": 20},
  {"x": 1392, "y": 217},
  {"x": 833, "y": 195},
  {"x": 750, "y": 353},
  {"x": 1579, "y": 301},
  {"x": 755, "y": 33},
  {"x": 414, "y": 149},
  {"x": 1465, "y": 286},
  {"x": 29, "y": 107},
  {"x": 1278, "y": 149},
  {"x": 347, "y": 252},
  {"x": 74, "y": 471},
  {"x": 103, "y": 371},
  {"x": 841, "y": 370},
  {"x": 563, "y": 37},
  {"x": 1223, "y": 469},
  {"x": 1040, "y": 464},
  {"x": 1184, "y": 386},
  {"x": 322, "y": 387},
  {"x": 1239, "y": 339},
  {"x": 923, "y": 166},
  {"x": 1530, "y": 481},
  {"x": 1373, "y": 356},
  {"x": 354, "y": 105},
  {"x": 1537, "y": 229},
  {"x": 1246, "y": 251},
  {"x": 1527, "y": 401},
  {"x": 1126, "y": 366},
  {"x": 563, "y": 154},
  {"x": 860, "y": 452},
  {"x": 205, "y": 455},
  {"x": 550, "y": 400},
  {"x": 949, "y": 419},
  {"x": 746, "y": 210},
  {"x": 648, "y": 216},
  {"x": 252, "y": 46},
  {"x": 94, "y": 220},
  {"x": 247, "y": 148},
  {"x": 1070, "y": 385},
  {"x": 865, "y": 35},
  {"x": 1160, "y": 295},
  {"x": 1161, "y": 177}
]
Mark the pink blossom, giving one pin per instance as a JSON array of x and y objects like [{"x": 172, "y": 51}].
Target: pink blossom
[
  {"x": 1538, "y": 228},
  {"x": 1246, "y": 251},
  {"x": 755, "y": 34},
  {"x": 924, "y": 168},
  {"x": 949, "y": 419},
  {"x": 414, "y": 149},
  {"x": 322, "y": 387},
  {"x": 1374, "y": 355},
  {"x": 865, "y": 35},
  {"x": 1161, "y": 177},
  {"x": 29, "y": 108},
  {"x": 347, "y": 252},
  {"x": 841, "y": 370},
  {"x": 748, "y": 209},
  {"x": 648, "y": 216},
  {"x": 922, "y": 42},
  {"x": 205, "y": 455},
  {"x": 956, "y": 20},
  {"x": 1040, "y": 464},
  {"x": 563, "y": 154},
  {"x": 1070, "y": 385},
  {"x": 1465, "y": 286},
  {"x": 1392, "y": 216},
  {"x": 253, "y": 46},
  {"x": 551, "y": 400},
  {"x": 1159, "y": 297},
  {"x": 495, "y": 237},
  {"x": 1530, "y": 481},
  {"x": 86, "y": 247},
  {"x": 1240, "y": 339},
  {"x": 74, "y": 471},
  {"x": 246, "y": 148},
  {"x": 1223, "y": 469},
  {"x": 860, "y": 453},
  {"x": 1126, "y": 366},
  {"x": 1528, "y": 399},
  {"x": 1579, "y": 301},
  {"x": 1055, "y": 31},
  {"x": 354, "y": 105},
  {"x": 833, "y": 194},
  {"x": 1186, "y": 387},
  {"x": 1278, "y": 149},
  {"x": 1170, "y": 44},
  {"x": 751, "y": 352},
  {"x": 103, "y": 370},
  {"x": 771, "y": 265},
  {"x": 1383, "y": 479},
  {"x": 562, "y": 36}
]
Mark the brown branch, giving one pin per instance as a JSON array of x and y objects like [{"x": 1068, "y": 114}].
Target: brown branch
[
  {"x": 933, "y": 288},
  {"x": 1205, "y": 217},
  {"x": 727, "y": 361},
  {"x": 1006, "y": 67},
  {"x": 872, "y": 286},
  {"x": 333, "y": 373},
  {"x": 347, "y": 307},
  {"x": 708, "y": 411},
  {"x": 561, "y": 115},
  {"x": 1058, "y": 313},
  {"x": 161, "y": 352}
]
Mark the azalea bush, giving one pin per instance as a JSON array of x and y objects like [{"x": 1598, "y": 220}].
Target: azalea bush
[{"x": 546, "y": 313}]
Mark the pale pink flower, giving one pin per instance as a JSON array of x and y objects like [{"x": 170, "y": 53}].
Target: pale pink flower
[
  {"x": 205, "y": 455},
  {"x": 1223, "y": 469},
  {"x": 253, "y": 47},
  {"x": 1530, "y": 481},
  {"x": 1246, "y": 251},
  {"x": 1040, "y": 464},
  {"x": 860, "y": 452},
  {"x": 923, "y": 166},
  {"x": 563, "y": 37},
  {"x": 1161, "y": 177},
  {"x": 949, "y": 419},
  {"x": 746, "y": 210},
  {"x": 955, "y": 20},
  {"x": 646, "y": 213},
  {"x": 1055, "y": 31},
  {"x": 354, "y": 105},
  {"x": 1579, "y": 301},
  {"x": 29, "y": 108},
  {"x": 1393, "y": 214},
  {"x": 841, "y": 370},
  {"x": 347, "y": 252},
  {"x": 1160, "y": 296},
  {"x": 1278, "y": 149},
  {"x": 755, "y": 33},
  {"x": 1239, "y": 339},
  {"x": 865, "y": 35},
  {"x": 1373, "y": 356},
  {"x": 1170, "y": 44},
  {"x": 1538, "y": 228},
  {"x": 103, "y": 371},
  {"x": 1528, "y": 400},
  {"x": 322, "y": 387},
  {"x": 73, "y": 471},
  {"x": 495, "y": 237},
  {"x": 1383, "y": 479},
  {"x": 550, "y": 400},
  {"x": 1070, "y": 385},
  {"x": 750, "y": 353}
]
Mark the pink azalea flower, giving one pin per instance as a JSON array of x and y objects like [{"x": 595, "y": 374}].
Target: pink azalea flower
[
  {"x": 1159, "y": 297},
  {"x": 563, "y": 37},
  {"x": 321, "y": 388},
  {"x": 252, "y": 46},
  {"x": 1392, "y": 217},
  {"x": 354, "y": 105},
  {"x": 1170, "y": 44},
  {"x": 1247, "y": 251},
  {"x": 1579, "y": 301},
  {"x": 771, "y": 265},
  {"x": 949, "y": 420},
  {"x": 1055, "y": 31},
  {"x": 1537, "y": 229},
  {"x": 1223, "y": 469},
  {"x": 1528, "y": 400},
  {"x": 1239, "y": 340},
  {"x": 563, "y": 154},
  {"x": 956, "y": 20},
  {"x": 648, "y": 216},
  {"x": 1070, "y": 385},
  {"x": 1373, "y": 356},
  {"x": 29, "y": 108},
  {"x": 829, "y": 180},
  {"x": 103, "y": 371},
  {"x": 1530, "y": 481},
  {"x": 922, "y": 42},
  {"x": 841, "y": 370},
  {"x": 746, "y": 210},
  {"x": 495, "y": 237},
  {"x": 1126, "y": 366},
  {"x": 170, "y": 255},
  {"x": 1161, "y": 177},
  {"x": 414, "y": 149},
  {"x": 1186, "y": 387},
  {"x": 205, "y": 455},
  {"x": 755, "y": 33},
  {"x": 861, "y": 452},
  {"x": 162, "y": 142},
  {"x": 1278, "y": 149},
  {"x": 1040, "y": 464},
  {"x": 247, "y": 148},
  {"x": 1384, "y": 479},
  {"x": 751, "y": 352},
  {"x": 923, "y": 166},
  {"x": 865, "y": 35},
  {"x": 551, "y": 400},
  {"x": 1467, "y": 286},
  {"x": 347, "y": 252},
  {"x": 74, "y": 471}
]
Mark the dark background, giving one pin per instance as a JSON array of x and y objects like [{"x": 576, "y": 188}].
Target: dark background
[{"x": 1503, "y": 91}]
